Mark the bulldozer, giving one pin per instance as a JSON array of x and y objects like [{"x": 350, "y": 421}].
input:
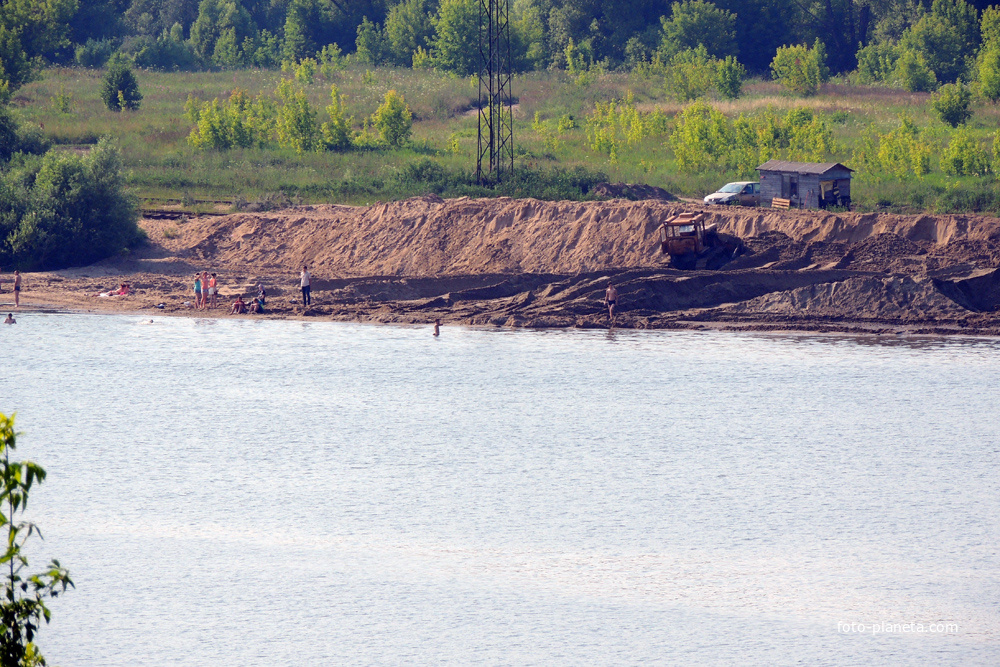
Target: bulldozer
[{"x": 693, "y": 246}]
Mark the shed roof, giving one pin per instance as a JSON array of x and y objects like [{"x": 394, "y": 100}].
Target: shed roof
[{"x": 802, "y": 167}]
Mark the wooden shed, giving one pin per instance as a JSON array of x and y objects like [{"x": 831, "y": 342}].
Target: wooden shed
[{"x": 805, "y": 184}]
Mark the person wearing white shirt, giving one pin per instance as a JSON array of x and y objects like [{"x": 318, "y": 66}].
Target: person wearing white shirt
[{"x": 304, "y": 282}]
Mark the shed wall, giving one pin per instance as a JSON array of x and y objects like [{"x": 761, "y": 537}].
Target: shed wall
[{"x": 808, "y": 186}]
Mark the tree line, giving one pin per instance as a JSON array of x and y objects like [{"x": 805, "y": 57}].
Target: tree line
[{"x": 917, "y": 44}]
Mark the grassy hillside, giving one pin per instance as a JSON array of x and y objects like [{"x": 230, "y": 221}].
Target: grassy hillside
[{"x": 163, "y": 164}]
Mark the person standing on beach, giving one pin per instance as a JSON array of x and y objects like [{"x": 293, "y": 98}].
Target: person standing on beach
[
  {"x": 213, "y": 290},
  {"x": 204, "y": 290},
  {"x": 197, "y": 291},
  {"x": 610, "y": 299},
  {"x": 305, "y": 280},
  {"x": 17, "y": 289}
]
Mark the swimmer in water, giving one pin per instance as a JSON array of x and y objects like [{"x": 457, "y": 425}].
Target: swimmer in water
[
  {"x": 437, "y": 327},
  {"x": 10, "y": 319}
]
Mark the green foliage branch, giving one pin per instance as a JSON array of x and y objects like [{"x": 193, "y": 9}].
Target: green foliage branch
[{"x": 24, "y": 601}]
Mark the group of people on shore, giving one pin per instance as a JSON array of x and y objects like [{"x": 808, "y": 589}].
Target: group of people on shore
[
  {"x": 206, "y": 291},
  {"x": 256, "y": 305}
]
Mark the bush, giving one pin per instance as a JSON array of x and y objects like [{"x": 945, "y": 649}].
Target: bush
[
  {"x": 15, "y": 138},
  {"x": 877, "y": 63},
  {"x": 167, "y": 52},
  {"x": 337, "y": 131},
  {"x": 702, "y": 138},
  {"x": 989, "y": 72},
  {"x": 800, "y": 69},
  {"x": 120, "y": 88},
  {"x": 65, "y": 210},
  {"x": 695, "y": 23},
  {"x": 729, "y": 78},
  {"x": 951, "y": 104},
  {"x": 691, "y": 74},
  {"x": 964, "y": 156},
  {"x": 913, "y": 73},
  {"x": 95, "y": 53},
  {"x": 393, "y": 120},
  {"x": 296, "y": 124},
  {"x": 900, "y": 153}
]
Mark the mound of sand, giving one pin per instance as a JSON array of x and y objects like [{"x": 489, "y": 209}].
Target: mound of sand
[
  {"x": 893, "y": 299},
  {"x": 432, "y": 237}
]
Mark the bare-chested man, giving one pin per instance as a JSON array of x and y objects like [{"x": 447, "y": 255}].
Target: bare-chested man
[
  {"x": 10, "y": 319},
  {"x": 610, "y": 299},
  {"x": 17, "y": 289}
]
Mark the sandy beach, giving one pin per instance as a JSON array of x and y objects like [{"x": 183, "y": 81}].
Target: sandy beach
[{"x": 529, "y": 263}]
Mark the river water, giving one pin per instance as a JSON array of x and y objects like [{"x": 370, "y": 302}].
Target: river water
[{"x": 295, "y": 493}]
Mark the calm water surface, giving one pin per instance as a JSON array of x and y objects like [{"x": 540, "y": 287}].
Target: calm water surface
[{"x": 289, "y": 493}]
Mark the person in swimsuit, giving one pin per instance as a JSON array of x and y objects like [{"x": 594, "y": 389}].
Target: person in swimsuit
[
  {"x": 204, "y": 290},
  {"x": 10, "y": 319},
  {"x": 213, "y": 290},
  {"x": 197, "y": 290},
  {"x": 17, "y": 289},
  {"x": 437, "y": 327},
  {"x": 610, "y": 299}
]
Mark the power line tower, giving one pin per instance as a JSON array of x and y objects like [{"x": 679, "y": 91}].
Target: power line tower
[{"x": 495, "y": 159}]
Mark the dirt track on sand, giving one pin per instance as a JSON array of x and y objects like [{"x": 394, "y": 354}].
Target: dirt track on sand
[{"x": 546, "y": 264}]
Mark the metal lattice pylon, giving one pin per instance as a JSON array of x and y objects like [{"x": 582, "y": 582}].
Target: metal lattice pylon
[{"x": 495, "y": 159}]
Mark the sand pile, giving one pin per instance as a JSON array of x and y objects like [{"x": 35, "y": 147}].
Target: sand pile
[
  {"x": 429, "y": 236},
  {"x": 867, "y": 298}
]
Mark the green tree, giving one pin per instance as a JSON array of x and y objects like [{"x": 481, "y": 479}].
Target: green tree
[
  {"x": 371, "y": 45},
  {"x": 408, "y": 27},
  {"x": 691, "y": 73},
  {"x": 989, "y": 71},
  {"x": 694, "y": 22},
  {"x": 296, "y": 122},
  {"x": 23, "y": 607},
  {"x": 951, "y": 104},
  {"x": 120, "y": 88},
  {"x": 16, "y": 69},
  {"x": 456, "y": 43},
  {"x": 299, "y": 19},
  {"x": 800, "y": 69},
  {"x": 964, "y": 156},
  {"x": 729, "y": 78},
  {"x": 336, "y": 131},
  {"x": 41, "y": 26},
  {"x": 989, "y": 25},
  {"x": 877, "y": 62},
  {"x": 702, "y": 138},
  {"x": 67, "y": 210},
  {"x": 393, "y": 120},
  {"x": 215, "y": 18},
  {"x": 913, "y": 73},
  {"x": 946, "y": 38}
]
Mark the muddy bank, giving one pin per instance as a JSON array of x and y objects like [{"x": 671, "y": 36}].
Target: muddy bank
[{"x": 546, "y": 264}]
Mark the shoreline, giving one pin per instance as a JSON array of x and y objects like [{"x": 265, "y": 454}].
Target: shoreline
[
  {"x": 545, "y": 265},
  {"x": 873, "y": 329}
]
